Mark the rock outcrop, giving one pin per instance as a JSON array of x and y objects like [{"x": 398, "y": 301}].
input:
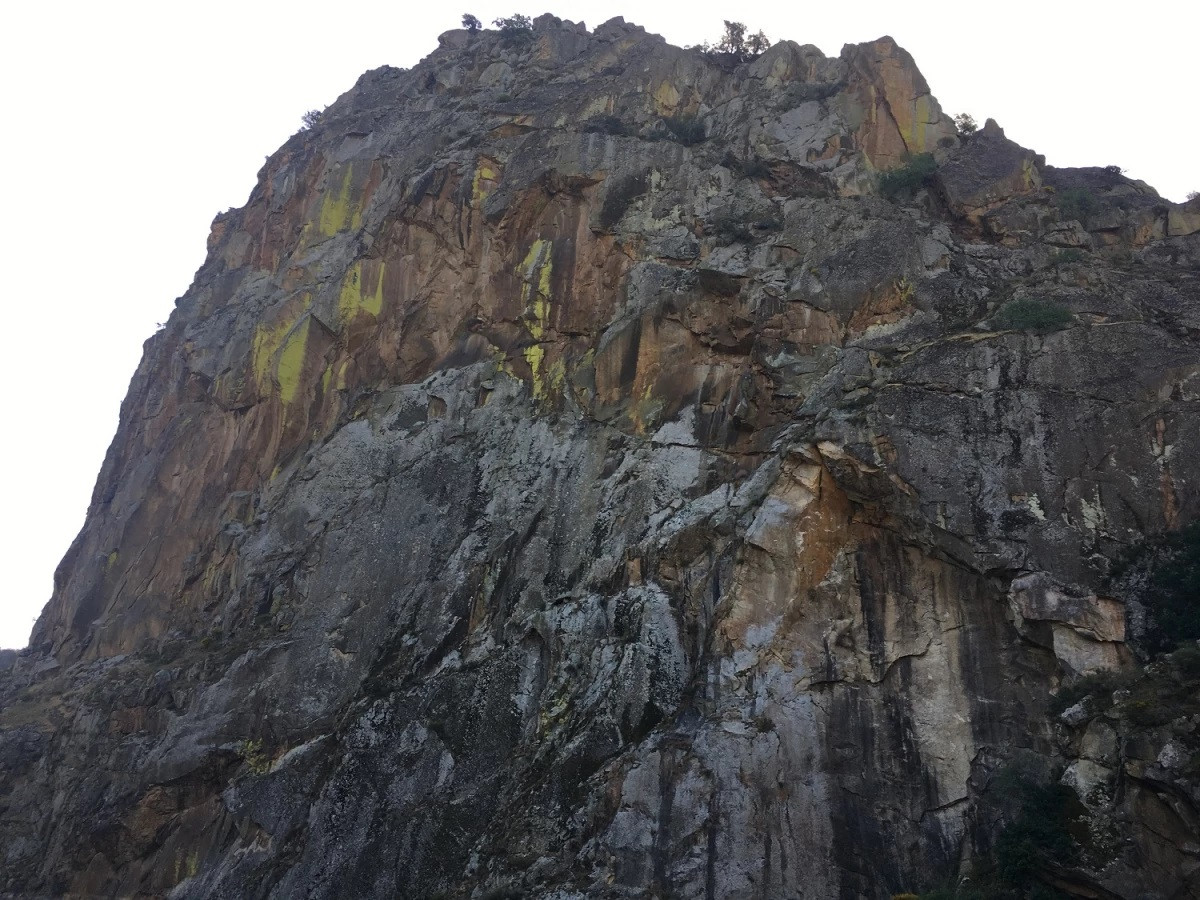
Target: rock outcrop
[{"x": 568, "y": 476}]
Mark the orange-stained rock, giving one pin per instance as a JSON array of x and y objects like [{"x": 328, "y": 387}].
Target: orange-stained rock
[
  {"x": 900, "y": 117},
  {"x": 568, "y": 475}
]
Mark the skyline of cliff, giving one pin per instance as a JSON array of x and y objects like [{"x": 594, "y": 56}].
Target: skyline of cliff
[{"x": 196, "y": 118}]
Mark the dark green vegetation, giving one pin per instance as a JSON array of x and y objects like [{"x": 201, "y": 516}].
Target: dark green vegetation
[
  {"x": 1174, "y": 598},
  {"x": 1163, "y": 692},
  {"x": 515, "y": 27},
  {"x": 1169, "y": 690},
  {"x": 1068, "y": 256},
  {"x": 1038, "y": 838},
  {"x": 1157, "y": 695},
  {"x": 906, "y": 180},
  {"x": 607, "y": 124},
  {"x": 736, "y": 45},
  {"x": 1078, "y": 203},
  {"x": 748, "y": 167},
  {"x": 687, "y": 130},
  {"x": 1047, "y": 832},
  {"x": 1167, "y": 569},
  {"x": 1099, "y": 686},
  {"x": 1032, "y": 315}
]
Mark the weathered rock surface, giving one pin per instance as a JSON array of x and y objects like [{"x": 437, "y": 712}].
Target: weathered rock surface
[{"x": 567, "y": 476}]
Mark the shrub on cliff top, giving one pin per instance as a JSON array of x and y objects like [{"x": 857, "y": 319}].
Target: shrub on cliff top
[
  {"x": 736, "y": 45},
  {"x": 515, "y": 27},
  {"x": 965, "y": 123}
]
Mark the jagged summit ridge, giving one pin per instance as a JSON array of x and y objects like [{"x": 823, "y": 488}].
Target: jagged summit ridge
[{"x": 569, "y": 475}]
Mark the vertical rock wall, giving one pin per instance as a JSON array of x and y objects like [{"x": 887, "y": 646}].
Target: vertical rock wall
[{"x": 567, "y": 476}]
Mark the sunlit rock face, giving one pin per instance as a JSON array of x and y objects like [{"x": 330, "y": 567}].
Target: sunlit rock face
[{"x": 569, "y": 476}]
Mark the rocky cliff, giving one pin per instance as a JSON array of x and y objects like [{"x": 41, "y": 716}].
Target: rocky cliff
[{"x": 579, "y": 472}]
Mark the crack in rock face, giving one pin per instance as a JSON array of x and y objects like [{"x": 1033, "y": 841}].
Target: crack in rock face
[{"x": 592, "y": 468}]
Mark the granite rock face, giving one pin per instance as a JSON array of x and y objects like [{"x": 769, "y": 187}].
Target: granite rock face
[{"x": 567, "y": 476}]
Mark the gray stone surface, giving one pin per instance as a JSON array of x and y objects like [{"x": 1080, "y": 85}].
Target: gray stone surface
[{"x": 525, "y": 500}]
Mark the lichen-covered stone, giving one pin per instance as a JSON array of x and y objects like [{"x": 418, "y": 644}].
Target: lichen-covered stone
[{"x": 568, "y": 477}]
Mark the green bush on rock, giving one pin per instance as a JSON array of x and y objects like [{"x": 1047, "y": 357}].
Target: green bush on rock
[
  {"x": 905, "y": 180},
  {"x": 515, "y": 27},
  {"x": 686, "y": 130},
  {"x": 1036, "y": 840},
  {"x": 1032, "y": 315},
  {"x": 1078, "y": 204},
  {"x": 1174, "y": 598}
]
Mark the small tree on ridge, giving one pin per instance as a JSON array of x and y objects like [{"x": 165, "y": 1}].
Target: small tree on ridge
[
  {"x": 965, "y": 123},
  {"x": 736, "y": 44}
]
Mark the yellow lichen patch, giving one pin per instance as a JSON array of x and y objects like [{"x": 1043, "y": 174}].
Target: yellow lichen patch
[
  {"x": 356, "y": 297},
  {"x": 484, "y": 181},
  {"x": 337, "y": 210},
  {"x": 186, "y": 864},
  {"x": 278, "y": 353},
  {"x": 917, "y": 137},
  {"x": 503, "y": 366},
  {"x": 666, "y": 99},
  {"x": 1029, "y": 175},
  {"x": 211, "y": 576},
  {"x": 291, "y": 362},
  {"x": 334, "y": 376},
  {"x": 536, "y": 271},
  {"x": 643, "y": 409},
  {"x": 556, "y": 712},
  {"x": 556, "y": 377},
  {"x": 267, "y": 339},
  {"x": 535, "y": 356},
  {"x": 111, "y": 561},
  {"x": 597, "y": 106}
]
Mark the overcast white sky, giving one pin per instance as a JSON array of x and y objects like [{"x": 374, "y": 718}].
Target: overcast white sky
[{"x": 129, "y": 125}]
